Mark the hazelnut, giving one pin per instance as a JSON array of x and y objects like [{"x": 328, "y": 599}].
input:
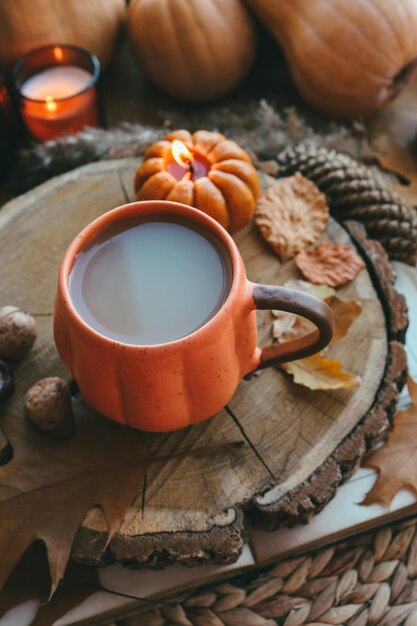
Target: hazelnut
[
  {"x": 17, "y": 332},
  {"x": 48, "y": 407},
  {"x": 6, "y": 381}
]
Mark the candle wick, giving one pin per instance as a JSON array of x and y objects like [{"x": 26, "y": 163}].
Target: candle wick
[{"x": 191, "y": 168}]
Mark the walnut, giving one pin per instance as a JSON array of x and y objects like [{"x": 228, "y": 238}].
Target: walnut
[
  {"x": 291, "y": 214},
  {"x": 6, "y": 381},
  {"x": 17, "y": 332},
  {"x": 48, "y": 406}
]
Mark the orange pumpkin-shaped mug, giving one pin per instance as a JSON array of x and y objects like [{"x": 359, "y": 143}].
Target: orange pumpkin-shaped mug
[{"x": 166, "y": 386}]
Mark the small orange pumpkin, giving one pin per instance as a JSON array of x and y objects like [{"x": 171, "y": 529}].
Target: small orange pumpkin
[{"x": 227, "y": 190}]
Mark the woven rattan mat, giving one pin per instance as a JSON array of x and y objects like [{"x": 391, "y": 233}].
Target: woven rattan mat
[{"x": 369, "y": 579}]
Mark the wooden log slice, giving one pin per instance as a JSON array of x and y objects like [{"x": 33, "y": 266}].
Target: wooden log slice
[{"x": 298, "y": 445}]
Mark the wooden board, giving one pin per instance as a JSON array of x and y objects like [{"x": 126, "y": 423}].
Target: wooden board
[{"x": 298, "y": 444}]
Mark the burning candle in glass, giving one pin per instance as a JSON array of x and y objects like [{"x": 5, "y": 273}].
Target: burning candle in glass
[{"x": 56, "y": 88}]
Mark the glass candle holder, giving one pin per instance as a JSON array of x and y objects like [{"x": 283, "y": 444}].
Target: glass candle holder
[{"x": 56, "y": 90}]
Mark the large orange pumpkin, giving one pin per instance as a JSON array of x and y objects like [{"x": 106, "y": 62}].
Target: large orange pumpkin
[
  {"x": 92, "y": 24},
  {"x": 195, "y": 50},
  {"x": 227, "y": 192},
  {"x": 347, "y": 57}
]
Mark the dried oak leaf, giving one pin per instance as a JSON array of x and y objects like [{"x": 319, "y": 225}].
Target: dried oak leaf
[
  {"x": 318, "y": 373},
  {"x": 291, "y": 214},
  {"x": 49, "y": 485},
  {"x": 333, "y": 264},
  {"x": 396, "y": 461}
]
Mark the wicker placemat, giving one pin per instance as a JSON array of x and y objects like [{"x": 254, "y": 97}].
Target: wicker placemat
[{"x": 369, "y": 579}]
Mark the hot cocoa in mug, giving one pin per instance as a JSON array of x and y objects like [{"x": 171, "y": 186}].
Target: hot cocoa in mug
[{"x": 156, "y": 320}]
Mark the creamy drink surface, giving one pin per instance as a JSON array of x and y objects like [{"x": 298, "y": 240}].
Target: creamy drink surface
[{"x": 150, "y": 282}]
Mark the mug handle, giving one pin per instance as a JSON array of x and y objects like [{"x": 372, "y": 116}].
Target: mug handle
[{"x": 300, "y": 303}]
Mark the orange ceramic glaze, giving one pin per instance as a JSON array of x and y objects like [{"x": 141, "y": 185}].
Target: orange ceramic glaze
[{"x": 168, "y": 386}]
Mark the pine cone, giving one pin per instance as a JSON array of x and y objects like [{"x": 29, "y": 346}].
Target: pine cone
[{"x": 356, "y": 192}]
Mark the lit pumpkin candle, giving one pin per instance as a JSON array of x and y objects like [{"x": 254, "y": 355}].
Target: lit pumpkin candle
[{"x": 205, "y": 170}]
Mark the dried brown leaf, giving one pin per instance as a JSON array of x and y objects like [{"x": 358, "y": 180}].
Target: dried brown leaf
[
  {"x": 345, "y": 312},
  {"x": 321, "y": 291},
  {"x": 402, "y": 161},
  {"x": 283, "y": 323},
  {"x": 333, "y": 264},
  {"x": 288, "y": 325},
  {"x": 30, "y": 581},
  {"x": 396, "y": 461},
  {"x": 49, "y": 486},
  {"x": 301, "y": 326},
  {"x": 291, "y": 214},
  {"x": 317, "y": 372}
]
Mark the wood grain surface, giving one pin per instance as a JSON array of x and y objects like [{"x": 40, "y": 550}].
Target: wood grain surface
[{"x": 297, "y": 444}]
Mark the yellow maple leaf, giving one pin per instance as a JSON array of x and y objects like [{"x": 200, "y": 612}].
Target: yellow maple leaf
[
  {"x": 316, "y": 372},
  {"x": 396, "y": 461}
]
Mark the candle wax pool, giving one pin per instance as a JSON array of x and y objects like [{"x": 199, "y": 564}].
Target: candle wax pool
[{"x": 56, "y": 82}]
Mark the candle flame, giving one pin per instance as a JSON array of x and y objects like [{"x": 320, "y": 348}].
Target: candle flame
[
  {"x": 181, "y": 153},
  {"x": 51, "y": 105},
  {"x": 58, "y": 54}
]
